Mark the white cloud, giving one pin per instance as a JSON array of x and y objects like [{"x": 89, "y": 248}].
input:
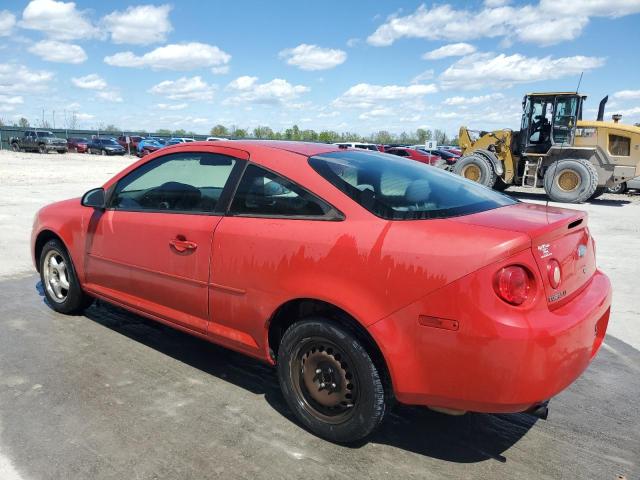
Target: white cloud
[
  {"x": 59, "y": 20},
  {"x": 139, "y": 25},
  {"x": 495, "y": 3},
  {"x": 15, "y": 78},
  {"x": 7, "y": 22},
  {"x": 376, "y": 113},
  {"x": 8, "y": 103},
  {"x": 84, "y": 116},
  {"x": 365, "y": 95},
  {"x": 455, "y": 101},
  {"x": 61, "y": 52},
  {"x": 172, "y": 106},
  {"x": 110, "y": 96},
  {"x": 488, "y": 69},
  {"x": 423, "y": 77},
  {"x": 563, "y": 20},
  {"x": 313, "y": 57},
  {"x": 627, "y": 95},
  {"x": 221, "y": 70},
  {"x": 353, "y": 42},
  {"x": 90, "y": 82},
  {"x": 178, "y": 56},
  {"x": 451, "y": 50},
  {"x": 247, "y": 89},
  {"x": 185, "y": 88}
]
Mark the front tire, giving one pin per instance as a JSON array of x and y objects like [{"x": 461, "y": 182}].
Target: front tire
[
  {"x": 59, "y": 280},
  {"x": 571, "y": 181},
  {"x": 476, "y": 168},
  {"x": 329, "y": 381},
  {"x": 42, "y": 149},
  {"x": 618, "y": 188}
]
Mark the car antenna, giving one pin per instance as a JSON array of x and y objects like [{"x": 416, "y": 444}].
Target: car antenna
[{"x": 555, "y": 164}]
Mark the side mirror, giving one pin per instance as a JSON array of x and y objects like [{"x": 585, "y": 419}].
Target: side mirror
[{"x": 94, "y": 198}]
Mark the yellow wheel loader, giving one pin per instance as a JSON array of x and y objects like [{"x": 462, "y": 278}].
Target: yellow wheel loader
[{"x": 573, "y": 159}]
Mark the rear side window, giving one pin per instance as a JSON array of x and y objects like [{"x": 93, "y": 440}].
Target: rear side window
[
  {"x": 264, "y": 193},
  {"x": 399, "y": 189},
  {"x": 620, "y": 146}
]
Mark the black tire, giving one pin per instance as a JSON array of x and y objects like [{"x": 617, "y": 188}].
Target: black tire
[
  {"x": 75, "y": 300},
  {"x": 598, "y": 193},
  {"x": 581, "y": 183},
  {"x": 346, "y": 366},
  {"x": 500, "y": 185},
  {"x": 619, "y": 188},
  {"x": 15, "y": 147},
  {"x": 476, "y": 168},
  {"x": 42, "y": 149}
]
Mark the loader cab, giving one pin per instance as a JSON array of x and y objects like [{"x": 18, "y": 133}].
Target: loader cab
[{"x": 549, "y": 119}]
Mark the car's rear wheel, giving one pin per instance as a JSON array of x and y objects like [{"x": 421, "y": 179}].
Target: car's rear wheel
[
  {"x": 15, "y": 147},
  {"x": 618, "y": 188},
  {"x": 59, "y": 280},
  {"x": 330, "y": 381},
  {"x": 42, "y": 149}
]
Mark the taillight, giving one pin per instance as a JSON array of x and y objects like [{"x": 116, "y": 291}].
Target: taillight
[
  {"x": 554, "y": 272},
  {"x": 513, "y": 284}
]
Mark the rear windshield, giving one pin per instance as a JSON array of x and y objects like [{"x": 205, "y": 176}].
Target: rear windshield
[{"x": 400, "y": 189}]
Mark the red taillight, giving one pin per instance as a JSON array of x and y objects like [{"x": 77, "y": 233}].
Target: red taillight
[
  {"x": 513, "y": 284},
  {"x": 554, "y": 272}
]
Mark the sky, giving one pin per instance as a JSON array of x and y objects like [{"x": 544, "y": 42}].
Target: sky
[{"x": 357, "y": 66}]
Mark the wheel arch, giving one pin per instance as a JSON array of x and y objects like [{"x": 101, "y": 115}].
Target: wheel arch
[
  {"x": 43, "y": 237},
  {"x": 297, "y": 309}
]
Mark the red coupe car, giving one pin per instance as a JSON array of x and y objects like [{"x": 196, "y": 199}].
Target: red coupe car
[
  {"x": 78, "y": 144},
  {"x": 364, "y": 277},
  {"x": 414, "y": 154}
]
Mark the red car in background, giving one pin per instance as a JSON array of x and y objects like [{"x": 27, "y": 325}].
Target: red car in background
[
  {"x": 77, "y": 144},
  {"x": 362, "y": 277},
  {"x": 413, "y": 154},
  {"x": 133, "y": 141}
]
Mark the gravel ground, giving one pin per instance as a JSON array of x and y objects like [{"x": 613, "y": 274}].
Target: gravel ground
[{"x": 112, "y": 395}]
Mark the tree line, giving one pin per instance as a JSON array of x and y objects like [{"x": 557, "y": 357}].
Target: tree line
[{"x": 419, "y": 136}]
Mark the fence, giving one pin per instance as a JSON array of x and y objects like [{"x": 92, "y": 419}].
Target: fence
[{"x": 6, "y": 132}]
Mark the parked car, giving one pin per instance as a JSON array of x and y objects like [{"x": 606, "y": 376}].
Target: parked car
[
  {"x": 215, "y": 139},
  {"x": 77, "y": 144},
  {"x": 449, "y": 157},
  {"x": 105, "y": 146},
  {"x": 38, "y": 141},
  {"x": 360, "y": 145},
  {"x": 362, "y": 277},
  {"x": 160, "y": 140},
  {"x": 147, "y": 146},
  {"x": 177, "y": 140},
  {"x": 633, "y": 184},
  {"x": 451, "y": 148},
  {"x": 414, "y": 154},
  {"x": 133, "y": 140}
]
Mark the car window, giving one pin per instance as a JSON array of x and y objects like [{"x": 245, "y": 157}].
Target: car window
[
  {"x": 395, "y": 189},
  {"x": 264, "y": 193},
  {"x": 189, "y": 182}
]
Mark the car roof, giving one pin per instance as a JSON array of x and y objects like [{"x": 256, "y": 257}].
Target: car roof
[{"x": 303, "y": 148}]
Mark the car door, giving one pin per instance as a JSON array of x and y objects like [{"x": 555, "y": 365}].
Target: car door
[{"x": 151, "y": 248}]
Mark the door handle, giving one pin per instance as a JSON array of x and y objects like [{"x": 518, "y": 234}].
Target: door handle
[{"x": 182, "y": 245}]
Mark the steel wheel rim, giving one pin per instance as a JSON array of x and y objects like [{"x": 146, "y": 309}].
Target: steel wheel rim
[
  {"x": 324, "y": 381},
  {"x": 568, "y": 180},
  {"x": 56, "y": 276},
  {"x": 472, "y": 172}
]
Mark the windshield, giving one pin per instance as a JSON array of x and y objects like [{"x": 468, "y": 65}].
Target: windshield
[
  {"x": 109, "y": 141},
  {"x": 44, "y": 134},
  {"x": 399, "y": 189}
]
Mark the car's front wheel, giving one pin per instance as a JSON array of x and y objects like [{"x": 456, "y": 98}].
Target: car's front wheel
[
  {"x": 329, "y": 381},
  {"x": 59, "y": 280}
]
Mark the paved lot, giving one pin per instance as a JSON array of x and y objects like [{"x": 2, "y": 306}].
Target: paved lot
[{"x": 110, "y": 395}]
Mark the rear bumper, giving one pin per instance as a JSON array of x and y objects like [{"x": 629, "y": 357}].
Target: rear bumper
[{"x": 491, "y": 357}]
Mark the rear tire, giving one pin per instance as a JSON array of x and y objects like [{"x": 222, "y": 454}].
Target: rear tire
[
  {"x": 598, "y": 193},
  {"x": 619, "y": 188},
  {"x": 477, "y": 169},
  {"x": 15, "y": 147},
  {"x": 59, "y": 280},
  {"x": 42, "y": 149},
  {"x": 570, "y": 181},
  {"x": 329, "y": 381}
]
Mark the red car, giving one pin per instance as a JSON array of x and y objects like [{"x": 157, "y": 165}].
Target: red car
[
  {"x": 413, "y": 154},
  {"x": 362, "y": 277},
  {"x": 76, "y": 144},
  {"x": 133, "y": 141}
]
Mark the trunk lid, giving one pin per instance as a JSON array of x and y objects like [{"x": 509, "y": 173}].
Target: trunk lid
[{"x": 556, "y": 234}]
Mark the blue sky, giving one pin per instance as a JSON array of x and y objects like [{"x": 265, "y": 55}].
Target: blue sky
[{"x": 348, "y": 66}]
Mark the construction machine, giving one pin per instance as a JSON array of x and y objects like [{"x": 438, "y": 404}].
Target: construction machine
[{"x": 573, "y": 159}]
